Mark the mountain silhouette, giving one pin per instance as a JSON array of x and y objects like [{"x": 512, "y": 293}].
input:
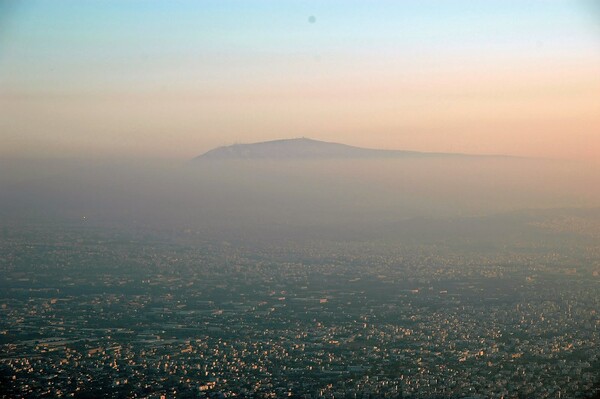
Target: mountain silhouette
[{"x": 304, "y": 148}]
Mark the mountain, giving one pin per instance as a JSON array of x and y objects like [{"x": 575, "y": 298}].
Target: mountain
[{"x": 303, "y": 148}]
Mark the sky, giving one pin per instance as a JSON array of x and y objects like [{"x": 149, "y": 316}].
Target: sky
[{"x": 173, "y": 79}]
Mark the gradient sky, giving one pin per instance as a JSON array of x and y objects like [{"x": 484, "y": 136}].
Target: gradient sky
[{"x": 172, "y": 79}]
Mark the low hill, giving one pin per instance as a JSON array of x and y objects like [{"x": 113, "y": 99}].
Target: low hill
[{"x": 304, "y": 148}]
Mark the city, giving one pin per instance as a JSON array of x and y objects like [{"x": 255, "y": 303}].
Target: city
[{"x": 86, "y": 313}]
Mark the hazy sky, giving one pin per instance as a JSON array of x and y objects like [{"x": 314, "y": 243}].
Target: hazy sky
[{"x": 173, "y": 79}]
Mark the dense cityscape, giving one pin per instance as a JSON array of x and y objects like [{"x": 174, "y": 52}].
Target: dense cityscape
[{"x": 91, "y": 312}]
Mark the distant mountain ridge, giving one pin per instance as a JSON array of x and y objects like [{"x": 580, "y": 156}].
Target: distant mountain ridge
[{"x": 304, "y": 148}]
